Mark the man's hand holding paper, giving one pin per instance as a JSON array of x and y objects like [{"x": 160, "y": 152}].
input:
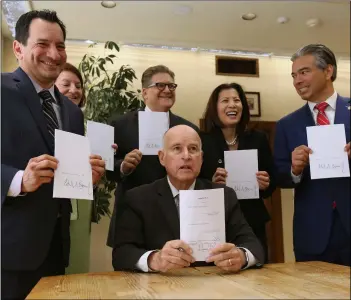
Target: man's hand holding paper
[
  {"x": 227, "y": 257},
  {"x": 39, "y": 170},
  {"x": 174, "y": 255}
]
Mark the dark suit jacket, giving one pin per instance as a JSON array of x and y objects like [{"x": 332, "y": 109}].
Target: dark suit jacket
[
  {"x": 214, "y": 145},
  {"x": 27, "y": 222},
  {"x": 149, "y": 169},
  {"x": 150, "y": 219},
  {"x": 313, "y": 217}
]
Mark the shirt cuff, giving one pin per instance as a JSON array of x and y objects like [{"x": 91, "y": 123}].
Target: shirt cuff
[
  {"x": 142, "y": 264},
  {"x": 121, "y": 170},
  {"x": 295, "y": 178},
  {"x": 251, "y": 259},
  {"x": 16, "y": 185}
]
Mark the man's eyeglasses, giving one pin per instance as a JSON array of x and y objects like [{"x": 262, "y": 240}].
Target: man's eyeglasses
[{"x": 161, "y": 86}]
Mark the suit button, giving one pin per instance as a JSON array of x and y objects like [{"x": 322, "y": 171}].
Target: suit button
[{"x": 219, "y": 161}]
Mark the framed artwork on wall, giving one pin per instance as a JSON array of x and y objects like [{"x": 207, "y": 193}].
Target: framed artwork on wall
[{"x": 254, "y": 101}]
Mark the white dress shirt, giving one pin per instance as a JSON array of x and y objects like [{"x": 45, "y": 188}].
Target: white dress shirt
[
  {"x": 330, "y": 113},
  {"x": 147, "y": 109},
  {"x": 142, "y": 262},
  {"x": 16, "y": 183}
]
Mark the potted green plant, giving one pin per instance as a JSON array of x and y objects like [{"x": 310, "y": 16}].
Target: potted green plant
[{"x": 108, "y": 94}]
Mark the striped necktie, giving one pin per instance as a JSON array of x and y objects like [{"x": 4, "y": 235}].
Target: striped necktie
[
  {"x": 322, "y": 118},
  {"x": 49, "y": 113}
]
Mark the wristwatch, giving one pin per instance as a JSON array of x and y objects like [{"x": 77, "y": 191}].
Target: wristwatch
[{"x": 246, "y": 258}]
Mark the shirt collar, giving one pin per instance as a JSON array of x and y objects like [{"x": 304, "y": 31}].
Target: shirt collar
[
  {"x": 175, "y": 192},
  {"x": 38, "y": 88},
  {"x": 147, "y": 109},
  {"x": 331, "y": 101}
]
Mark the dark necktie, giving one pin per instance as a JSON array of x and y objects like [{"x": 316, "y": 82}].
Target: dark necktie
[
  {"x": 52, "y": 124},
  {"x": 49, "y": 113},
  {"x": 176, "y": 200}
]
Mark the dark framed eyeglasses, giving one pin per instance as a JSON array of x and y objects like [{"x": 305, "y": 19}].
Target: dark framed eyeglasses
[{"x": 161, "y": 86}]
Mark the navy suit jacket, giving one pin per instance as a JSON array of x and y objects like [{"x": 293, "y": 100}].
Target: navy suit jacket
[
  {"x": 28, "y": 222},
  {"x": 313, "y": 214}
]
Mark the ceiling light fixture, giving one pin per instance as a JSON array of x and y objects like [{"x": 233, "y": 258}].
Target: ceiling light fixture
[
  {"x": 108, "y": 4},
  {"x": 312, "y": 22},
  {"x": 249, "y": 16},
  {"x": 182, "y": 10},
  {"x": 282, "y": 20}
]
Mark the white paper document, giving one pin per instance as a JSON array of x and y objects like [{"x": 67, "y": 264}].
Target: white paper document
[
  {"x": 152, "y": 127},
  {"x": 101, "y": 138},
  {"x": 202, "y": 220},
  {"x": 73, "y": 176},
  {"x": 242, "y": 166},
  {"x": 328, "y": 160}
]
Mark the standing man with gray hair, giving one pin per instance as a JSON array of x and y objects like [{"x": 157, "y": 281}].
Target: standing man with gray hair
[
  {"x": 322, "y": 207},
  {"x": 132, "y": 169}
]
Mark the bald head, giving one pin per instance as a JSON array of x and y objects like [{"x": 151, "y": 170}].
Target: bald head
[
  {"x": 181, "y": 155},
  {"x": 180, "y": 130}
]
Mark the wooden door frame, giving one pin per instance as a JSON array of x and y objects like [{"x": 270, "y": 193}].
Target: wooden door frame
[{"x": 274, "y": 228}]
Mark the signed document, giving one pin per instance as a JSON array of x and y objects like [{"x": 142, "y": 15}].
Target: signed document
[
  {"x": 152, "y": 127},
  {"x": 101, "y": 138},
  {"x": 242, "y": 166},
  {"x": 202, "y": 220},
  {"x": 73, "y": 176},
  {"x": 328, "y": 160}
]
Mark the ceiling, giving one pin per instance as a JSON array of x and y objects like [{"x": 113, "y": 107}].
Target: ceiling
[{"x": 209, "y": 24}]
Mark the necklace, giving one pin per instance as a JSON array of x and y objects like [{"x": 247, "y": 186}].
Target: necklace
[{"x": 232, "y": 142}]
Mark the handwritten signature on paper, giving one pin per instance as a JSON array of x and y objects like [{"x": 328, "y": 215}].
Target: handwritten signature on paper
[
  {"x": 77, "y": 183},
  {"x": 244, "y": 187},
  {"x": 331, "y": 166},
  {"x": 205, "y": 245},
  {"x": 152, "y": 146}
]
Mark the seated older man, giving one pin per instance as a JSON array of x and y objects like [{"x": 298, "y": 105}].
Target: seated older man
[{"x": 147, "y": 235}]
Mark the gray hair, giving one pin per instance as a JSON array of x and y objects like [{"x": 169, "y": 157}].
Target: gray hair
[{"x": 322, "y": 54}]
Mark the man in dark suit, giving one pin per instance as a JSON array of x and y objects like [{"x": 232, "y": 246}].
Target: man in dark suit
[
  {"x": 150, "y": 219},
  {"x": 132, "y": 169},
  {"x": 35, "y": 226},
  {"x": 322, "y": 207}
]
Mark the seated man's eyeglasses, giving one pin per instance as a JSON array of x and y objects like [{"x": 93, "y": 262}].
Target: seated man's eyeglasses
[{"x": 161, "y": 86}]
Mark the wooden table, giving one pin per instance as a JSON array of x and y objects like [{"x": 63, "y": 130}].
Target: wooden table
[{"x": 283, "y": 281}]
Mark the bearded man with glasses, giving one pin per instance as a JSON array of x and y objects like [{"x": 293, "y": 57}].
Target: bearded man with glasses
[{"x": 132, "y": 169}]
